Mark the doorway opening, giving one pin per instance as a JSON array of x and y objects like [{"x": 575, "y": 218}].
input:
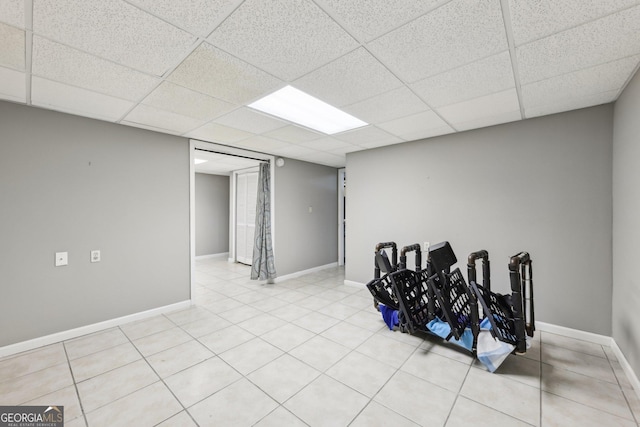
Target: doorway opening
[{"x": 342, "y": 215}]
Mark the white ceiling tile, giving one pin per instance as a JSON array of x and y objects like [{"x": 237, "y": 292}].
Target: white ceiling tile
[
  {"x": 287, "y": 38},
  {"x": 455, "y": 34},
  {"x": 558, "y": 90},
  {"x": 349, "y": 79},
  {"x": 12, "y": 12},
  {"x": 484, "y": 106},
  {"x": 327, "y": 143},
  {"x": 12, "y": 85},
  {"x": 196, "y": 16},
  {"x": 162, "y": 119},
  {"x": 327, "y": 159},
  {"x": 375, "y": 144},
  {"x": 186, "y": 102},
  {"x": 490, "y": 120},
  {"x": 293, "y": 133},
  {"x": 69, "y": 99},
  {"x": 261, "y": 143},
  {"x": 532, "y": 20},
  {"x": 416, "y": 126},
  {"x": 218, "y": 133},
  {"x": 607, "y": 39},
  {"x": 66, "y": 65},
  {"x": 348, "y": 149},
  {"x": 572, "y": 104},
  {"x": 387, "y": 106},
  {"x": 12, "y": 47},
  {"x": 293, "y": 151},
  {"x": 367, "y": 134},
  {"x": 149, "y": 127},
  {"x": 250, "y": 121},
  {"x": 114, "y": 30},
  {"x": 214, "y": 72},
  {"x": 368, "y": 19},
  {"x": 489, "y": 75}
]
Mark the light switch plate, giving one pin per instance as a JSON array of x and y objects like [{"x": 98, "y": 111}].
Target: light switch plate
[
  {"x": 95, "y": 256},
  {"x": 62, "y": 258}
]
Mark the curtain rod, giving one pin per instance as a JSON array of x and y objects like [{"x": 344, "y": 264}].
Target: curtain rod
[{"x": 234, "y": 155}]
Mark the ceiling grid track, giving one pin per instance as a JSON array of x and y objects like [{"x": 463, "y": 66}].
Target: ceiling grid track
[
  {"x": 28, "y": 40},
  {"x": 506, "y": 16}
]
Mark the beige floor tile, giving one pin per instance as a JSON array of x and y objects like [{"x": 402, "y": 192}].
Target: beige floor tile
[
  {"x": 370, "y": 320},
  {"x": 361, "y": 373},
  {"x": 182, "y": 419},
  {"x": 76, "y": 422},
  {"x": 290, "y": 312},
  {"x": 572, "y": 344},
  {"x": 288, "y": 336},
  {"x": 560, "y": 412},
  {"x": 292, "y": 296},
  {"x": 283, "y": 377},
  {"x": 66, "y": 397},
  {"x": 503, "y": 394},
  {"x": 517, "y": 368},
  {"x": 251, "y": 355},
  {"x": 241, "y": 314},
  {"x": 146, "y": 407},
  {"x": 225, "y": 339},
  {"x": 177, "y": 358},
  {"x": 357, "y": 301},
  {"x": 103, "y": 389},
  {"x": 31, "y": 361},
  {"x": 97, "y": 363},
  {"x": 348, "y": 335},
  {"x": 439, "y": 370},
  {"x": 633, "y": 400},
  {"x": 620, "y": 374},
  {"x": 262, "y": 324},
  {"x": 202, "y": 327},
  {"x": 313, "y": 302},
  {"x": 386, "y": 350},
  {"x": 146, "y": 327},
  {"x": 160, "y": 341},
  {"x": 17, "y": 391},
  {"x": 280, "y": 417},
  {"x": 326, "y": 402},
  {"x": 453, "y": 351},
  {"x": 376, "y": 415},
  {"x": 586, "y": 390},
  {"x": 316, "y": 322},
  {"x": 581, "y": 363},
  {"x": 269, "y": 304},
  {"x": 189, "y": 315},
  {"x": 240, "y": 404},
  {"x": 93, "y": 343},
  {"x": 339, "y": 311},
  {"x": 469, "y": 413},
  {"x": 319, "y": 352},
  {"x": 223, "y": 305},
  {"x": 202, "y": 380},
  {"x": 249, "y": 297},
  {"x": 402, "y": 393}
]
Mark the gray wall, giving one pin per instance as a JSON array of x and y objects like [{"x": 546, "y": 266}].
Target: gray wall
[
  {"x": 541, "y": 185},
  {"x": 305, "y": 240},
  {"x": 74, "y": 184},
  {"x": 212, "y": 214},
  {"x": 626, "y": 227}
]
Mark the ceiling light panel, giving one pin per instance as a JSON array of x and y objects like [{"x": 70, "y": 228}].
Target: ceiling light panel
[
  {"x": 70, "y": 99},
  {"x": 452, "y": 35},
  {"x": 484, "y": 106},
  {"x": 12, "y": 12},
  {"x": 532, "y": 20},
  {"x": 602, "y": 78},
  {"x": 572, "y": 104},
  {"x": 12, "y": 47},
  {"x": 387, "y": 106},
  {"x": 66, "y": 65},
  {"x": 215, "y": 132},
  {"x": 416, "y": 126},
  {"x": 613, "y": 37},
  {"x": 381, "y": 16},
  {"x": 162, "y": 119},
  {"x": 352, "y": 78},
  {"x": 214, "y": 72},
  {"x": 287, "y": 38},
  {"x": 196, "y": 16},
  {"x": 250, "y": 121},
  {"x": 483, "y": 77},
  {"x": 186, "y": 102},
  {"x": 12, "y": 85},
  {"x": 114, "y": 30},
  {"x": 293, "y": 134}
]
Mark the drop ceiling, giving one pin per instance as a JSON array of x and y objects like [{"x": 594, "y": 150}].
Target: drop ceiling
[{"x": 412, "y": 69}]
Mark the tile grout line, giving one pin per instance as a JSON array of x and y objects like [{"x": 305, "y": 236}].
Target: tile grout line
[{"x": 75, "y": 384}]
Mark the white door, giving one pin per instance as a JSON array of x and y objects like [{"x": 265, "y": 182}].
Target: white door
[{"x": 246, "y": 194}]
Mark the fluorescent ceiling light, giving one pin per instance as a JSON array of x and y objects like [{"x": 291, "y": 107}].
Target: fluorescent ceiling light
[
  {"x": 198, "y": 161},
  {"x": 298, "y": 107}
]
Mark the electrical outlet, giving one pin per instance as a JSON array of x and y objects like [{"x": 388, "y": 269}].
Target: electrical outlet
[
  {"x": 426, "y": 247},
  {"x": 95, "y": 256},
  {"x": 62, "y": 258}
]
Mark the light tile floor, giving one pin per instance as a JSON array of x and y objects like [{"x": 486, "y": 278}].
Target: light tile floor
[{"x": 308, "y": 351}]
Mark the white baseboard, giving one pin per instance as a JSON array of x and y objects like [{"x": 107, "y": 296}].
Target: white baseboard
[
  {"x": 303, "y": 272},
  {"x": 220, "y": 255},
  {"x": 88, "y": 329},
  {"x": 352, "y": 283},
  {"x": 626, "y": 367},
  {"x": 574, "y": 333}
]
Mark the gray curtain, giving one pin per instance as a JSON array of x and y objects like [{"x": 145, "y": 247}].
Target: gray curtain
[{"x": 263, "y": 266}]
